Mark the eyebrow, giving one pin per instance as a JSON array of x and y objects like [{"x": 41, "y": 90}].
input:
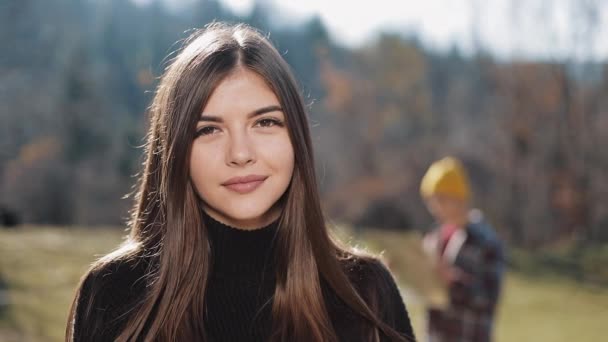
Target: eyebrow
[{"x": 253, "y": 114}]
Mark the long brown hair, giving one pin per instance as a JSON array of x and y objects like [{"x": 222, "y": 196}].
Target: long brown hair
[{"x": 166, "y": 226}]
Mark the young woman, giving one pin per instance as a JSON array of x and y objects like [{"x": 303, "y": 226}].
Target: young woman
[{"x": 227, "y": 238}]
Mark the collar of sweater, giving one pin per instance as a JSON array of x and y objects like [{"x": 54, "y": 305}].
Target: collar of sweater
[{"x": 240, "y": 253}]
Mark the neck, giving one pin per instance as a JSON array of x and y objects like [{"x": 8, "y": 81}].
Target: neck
[
  {"x": 254, "y": 223},
  {"x": 240, "y": 252}
]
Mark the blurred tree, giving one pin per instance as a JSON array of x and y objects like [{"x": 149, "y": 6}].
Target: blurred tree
[
  {"x": 38, "y": 183},
  {"x": 76, "y": 77},
  {"x": 380, "y": 101}
]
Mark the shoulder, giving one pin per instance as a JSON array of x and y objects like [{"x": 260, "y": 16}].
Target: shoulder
[
  {"x": 376, "y": 284},
  {"x": 114, "y": 279},
  {"x": 483, "y": 236},
  {"x": 369, "y": 272},
  {"x": 107, "y": 291}
]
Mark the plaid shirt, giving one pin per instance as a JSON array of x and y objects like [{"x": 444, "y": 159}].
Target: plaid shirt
[{"x": 478, "y": 253}]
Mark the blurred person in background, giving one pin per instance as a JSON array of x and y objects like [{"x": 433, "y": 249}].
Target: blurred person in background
[
  {"x": 227, "y": 240},
  {"x": 468, "y": 256}
]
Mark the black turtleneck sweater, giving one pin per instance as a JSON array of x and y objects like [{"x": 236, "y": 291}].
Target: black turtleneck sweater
[
  {"x": 239, "y": 292},
  {"x": 241, "y": 283}
]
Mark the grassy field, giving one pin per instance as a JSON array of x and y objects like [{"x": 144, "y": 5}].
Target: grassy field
[
  {"x": 42, "y": 266},
  {"x": 541, "y": 306}
]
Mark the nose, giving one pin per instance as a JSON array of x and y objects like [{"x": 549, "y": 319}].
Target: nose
[{"x": 240, "y": 151}]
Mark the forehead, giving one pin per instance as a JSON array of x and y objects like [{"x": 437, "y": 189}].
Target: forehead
[{"x": 240, "y": 93}]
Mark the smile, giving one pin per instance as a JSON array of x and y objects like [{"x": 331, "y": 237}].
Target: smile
[{"x": 244, "y": 185}]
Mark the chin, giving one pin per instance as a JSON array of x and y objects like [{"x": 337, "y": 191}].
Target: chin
[
  {"x": 244, "y": 214},
  {"x": 247, "y": 213}
]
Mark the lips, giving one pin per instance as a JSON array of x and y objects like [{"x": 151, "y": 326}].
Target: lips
[{"x": 245, "y": 184}]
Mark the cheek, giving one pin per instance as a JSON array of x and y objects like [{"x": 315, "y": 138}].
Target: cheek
[
  {"x": 453, "y": 210},
  {"x": 203, "y": 163},
  {"x": 436, "y": 208},
  {"x": 279, "y": 156}
]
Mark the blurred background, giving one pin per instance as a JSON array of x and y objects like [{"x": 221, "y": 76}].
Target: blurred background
[{"x": 518, "y": 90}]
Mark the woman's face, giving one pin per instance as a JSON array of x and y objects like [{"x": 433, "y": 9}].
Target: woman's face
[{"x": 242, "y": 159}]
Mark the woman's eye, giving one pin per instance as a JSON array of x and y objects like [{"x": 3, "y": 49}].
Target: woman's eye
[
  {"x": 269, "y": 122},
  {"x": 206, "y": 130}
]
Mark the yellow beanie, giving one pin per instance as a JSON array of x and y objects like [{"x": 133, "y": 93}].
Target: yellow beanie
[{"x": 447, "y": 177}]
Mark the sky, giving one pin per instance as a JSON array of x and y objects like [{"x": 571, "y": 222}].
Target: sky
[{"x": 507, "y": 28}]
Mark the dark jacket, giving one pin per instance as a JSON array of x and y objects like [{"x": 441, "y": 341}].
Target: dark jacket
[{"x": 478, "y": 253}]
